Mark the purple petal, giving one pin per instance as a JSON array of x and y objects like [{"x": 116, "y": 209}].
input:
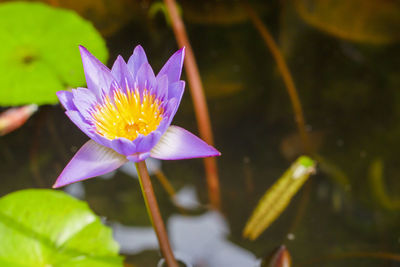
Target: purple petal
[
  {"x": 98, "y": 76},
  {"x": 176, "y": 89},
  {"x": 122, "y": 74},
  {"x": 145, "y": 78},
  {"x": 79, "y": 121},
  {"x": 123, "y": 146},
  {"x": 86, "y": 127},
  {"x": 162, "y": 88},
  {"x": 173, "y": 67},
  {"x": 170, "y": 109},
  {"x": 91, "y": 160},
  {"x": 177, "y": 143},
  {"x": 175, "y": 93},
  {"x": 146, "y": 143},
  {"x": 137, "y": 59},
  {"x": 65, "y": 98},
  {"x": 84, "y": 101},
  {"x": 138, "y": 156}
]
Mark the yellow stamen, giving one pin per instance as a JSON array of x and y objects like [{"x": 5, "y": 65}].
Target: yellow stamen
[{"x": 128, "y": 115}]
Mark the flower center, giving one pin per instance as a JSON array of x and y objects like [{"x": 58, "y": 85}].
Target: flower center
[{"x": 127, "y": 114}]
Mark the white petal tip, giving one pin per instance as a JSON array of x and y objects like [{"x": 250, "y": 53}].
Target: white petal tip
[{"x": 177, "y": 143}]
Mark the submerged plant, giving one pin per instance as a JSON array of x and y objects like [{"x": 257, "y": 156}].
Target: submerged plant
[
  {"x": 127, "y": 112},
  {"x": 278, "y": 197}
]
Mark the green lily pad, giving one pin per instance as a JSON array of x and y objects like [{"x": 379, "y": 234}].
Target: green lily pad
[
  {"x": 39, "y": 52},
  {"x": 41, "y": 227}
]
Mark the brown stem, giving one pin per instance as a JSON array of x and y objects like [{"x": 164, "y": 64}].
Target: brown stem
[
  {"x": 199, "y": 100},
  {"x": 284, "y": 70},
  {"x": 154, "y": 214}
]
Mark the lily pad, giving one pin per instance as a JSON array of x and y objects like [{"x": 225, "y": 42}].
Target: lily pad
[
  {"x": 41, "y": 227},
  {"x": 372, "y": 21},
  {"x": 39, "y": 52}
]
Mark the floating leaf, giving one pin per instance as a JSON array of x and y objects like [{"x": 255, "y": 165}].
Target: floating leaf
[
  {"x": 372, "y": 21},
  {"x": 278, "y": 196},
  {"x": 49, "y": 228},
  {"x": 39, "y": 52},
  {"x": 107, "y": 16}
]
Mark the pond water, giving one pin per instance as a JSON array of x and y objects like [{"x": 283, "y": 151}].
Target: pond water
[{"x": 345, "y": 215}]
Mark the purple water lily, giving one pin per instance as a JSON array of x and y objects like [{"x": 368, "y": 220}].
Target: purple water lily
[{"x": 127, "y": 113}]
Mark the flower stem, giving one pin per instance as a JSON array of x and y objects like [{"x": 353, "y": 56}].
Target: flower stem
[
  {"x": 154, "y": 214},
  {"x": 199, "y": 101}
]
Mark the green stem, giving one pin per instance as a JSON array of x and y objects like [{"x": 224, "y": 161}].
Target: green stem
[{"x": 154, "y": 214}]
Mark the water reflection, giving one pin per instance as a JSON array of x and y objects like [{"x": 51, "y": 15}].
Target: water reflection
[
  {"x": 203, "y": 239},
  {"x": 196, "y": 239}
]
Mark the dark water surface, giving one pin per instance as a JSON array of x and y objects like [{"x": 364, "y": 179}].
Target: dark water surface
[{"x": 349, "y": 90}]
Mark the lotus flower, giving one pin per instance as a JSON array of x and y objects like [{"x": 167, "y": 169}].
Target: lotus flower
[{"x": 127, "y": 113}]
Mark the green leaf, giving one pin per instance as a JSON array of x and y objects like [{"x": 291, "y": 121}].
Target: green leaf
[
  {"x": 39, "y": 52},
  {"x": 41, "y": 227},
  {"x": 276, "y": 199}
]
